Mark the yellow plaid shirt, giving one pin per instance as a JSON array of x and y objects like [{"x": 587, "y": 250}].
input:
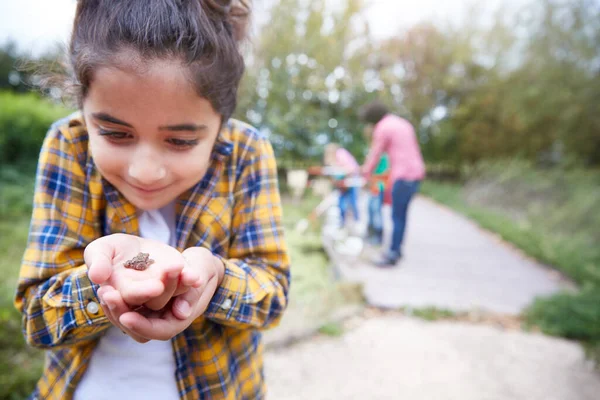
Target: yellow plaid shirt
[{"x": 234, "y": 211}]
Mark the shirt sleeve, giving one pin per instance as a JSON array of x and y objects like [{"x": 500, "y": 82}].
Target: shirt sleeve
[
  {"x": 254, "y": 290},
  {"x": 377, "y": 148},
  {"x": 58, "y": 302}
]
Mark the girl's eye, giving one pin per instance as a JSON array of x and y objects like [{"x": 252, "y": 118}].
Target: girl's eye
[
  {"x": 114, "y": 135},
  {"x": 182, "y": 143}
]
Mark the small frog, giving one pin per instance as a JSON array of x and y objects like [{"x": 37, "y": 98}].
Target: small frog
[{"x": 139, "y": 262}]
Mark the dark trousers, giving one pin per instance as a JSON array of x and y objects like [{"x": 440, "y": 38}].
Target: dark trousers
[{"x": 402, "y": 193}]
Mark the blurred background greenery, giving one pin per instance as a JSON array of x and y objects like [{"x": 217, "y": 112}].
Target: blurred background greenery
[{"x": 507, "y": 111}]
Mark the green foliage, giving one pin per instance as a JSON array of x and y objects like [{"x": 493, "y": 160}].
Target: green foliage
[
  {"x": 303, "y": 85},
  {"x": 334, "y": 329},
  {"x": 432, "y": 313},
  {"x": 525, "y": 84},
  {"x": 310, "y": 264},
  {"x": 574, "y": 316},
  {"x": 24, "y": 121},
  {"x": 562, "y": 74},
  {"x": 19, "y": 72},
  {"x": 12, "y": 77},
  {"x": 500, "y": 95},
  {"x": 16, "y": 194},
  {"x": 8, "y": 58},
  {"x": 20, "y": 366}
]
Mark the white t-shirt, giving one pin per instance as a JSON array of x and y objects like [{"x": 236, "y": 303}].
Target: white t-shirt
[{"x": 120, "y": 367}]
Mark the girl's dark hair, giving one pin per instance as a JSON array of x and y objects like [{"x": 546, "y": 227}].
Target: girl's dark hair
[
  {"x": 204, "y": 35},
  {"x": 373, "y": 112}
]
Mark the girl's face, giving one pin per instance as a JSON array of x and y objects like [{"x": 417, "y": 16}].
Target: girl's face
[
  {"x": 368, "y": 132},
  {"x": 329, "y": 155},
  {"x": 151, "y": 135}
]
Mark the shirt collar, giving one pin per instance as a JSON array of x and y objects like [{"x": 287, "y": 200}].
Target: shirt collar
[{"x": 223, "y": 145}]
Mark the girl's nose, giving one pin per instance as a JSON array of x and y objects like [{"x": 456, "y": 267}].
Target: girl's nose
[{"x": 147, "y": 169}]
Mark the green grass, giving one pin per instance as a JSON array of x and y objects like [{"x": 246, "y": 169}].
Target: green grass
[
  {"x": 311, "y": 276},
  {"x": 553, "y": 216},
  {"x": 432, "y": 313},
  {"x": 333, "y": 329},
  {"x": 20, "y": 366},
  {"x": 574, "y": 316}
]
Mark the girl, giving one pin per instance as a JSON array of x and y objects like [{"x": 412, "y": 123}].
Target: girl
[
  {"x": 153, "y": 170},
  {"x": 339, "y": 158}
]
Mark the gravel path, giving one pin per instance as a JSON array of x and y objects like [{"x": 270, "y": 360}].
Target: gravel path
[
  {"x": 394, "y": 357},
  {"x": 451, "y": 263}
]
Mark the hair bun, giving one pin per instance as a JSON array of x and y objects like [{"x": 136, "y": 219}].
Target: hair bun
[{"x": 236, "y": 12}]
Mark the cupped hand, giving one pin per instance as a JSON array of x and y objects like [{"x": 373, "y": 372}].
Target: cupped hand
[
  {"x": 184, "y": 308},
  {"x": 152, "y": 287}
]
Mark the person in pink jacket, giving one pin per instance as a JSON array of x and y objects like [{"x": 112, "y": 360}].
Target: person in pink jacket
[
  {"x": 395, "y": 136},
  {"x": 338, "y": 157}
]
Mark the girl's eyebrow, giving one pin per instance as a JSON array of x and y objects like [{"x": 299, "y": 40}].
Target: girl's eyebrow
[
  {"x": 176, "y": 128},
  {"x": 183, "y": 127},
  {"x": 109, "y": 118}
]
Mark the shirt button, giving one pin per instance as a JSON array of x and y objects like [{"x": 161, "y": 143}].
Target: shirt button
[
  {"x": 92, "y": 308},
  {"x": 226, "y": 304}
]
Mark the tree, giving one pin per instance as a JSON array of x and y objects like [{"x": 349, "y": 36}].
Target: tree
[
  {"x": 10, "y": 78},
  {"x": 526, "y": 85},
  {"x": 302, "y": 81},
  {"x": 562, "y": 74}
]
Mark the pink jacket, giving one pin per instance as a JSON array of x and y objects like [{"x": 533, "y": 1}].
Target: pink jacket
[
  {"x": 346, "y": 161},
  {"x": 396, "y": 137}
]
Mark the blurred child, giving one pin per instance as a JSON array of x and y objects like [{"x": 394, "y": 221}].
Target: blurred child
[
  {"x": 376, "y": 199},
  {"x": 340, "y": 159}
]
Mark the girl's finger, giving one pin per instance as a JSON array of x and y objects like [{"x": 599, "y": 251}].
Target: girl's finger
[
  {"x": 182, "y": 306},
  {"x": 163, "y": 328},
  {"x": 113, "y": 301},
  {"x": 98, "y": 257},
  {"x": 170, "y": 283},
  {"x": 181, "y": 289},
  {"x": 114, "y": 307},
  {"x": 185, "y": 303},
  {"x": 136, "y": 293},
  {"x": 194, "y": 301},
  {"x": 190, "y": 277}
]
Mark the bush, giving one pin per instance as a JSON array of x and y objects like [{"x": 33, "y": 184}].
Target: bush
[
  {"x": 20, "y": 365},
  {"x": 16, "y": 196},
  {"x": 24, "y": 121},
  {"x": 571, "y": 315}
]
